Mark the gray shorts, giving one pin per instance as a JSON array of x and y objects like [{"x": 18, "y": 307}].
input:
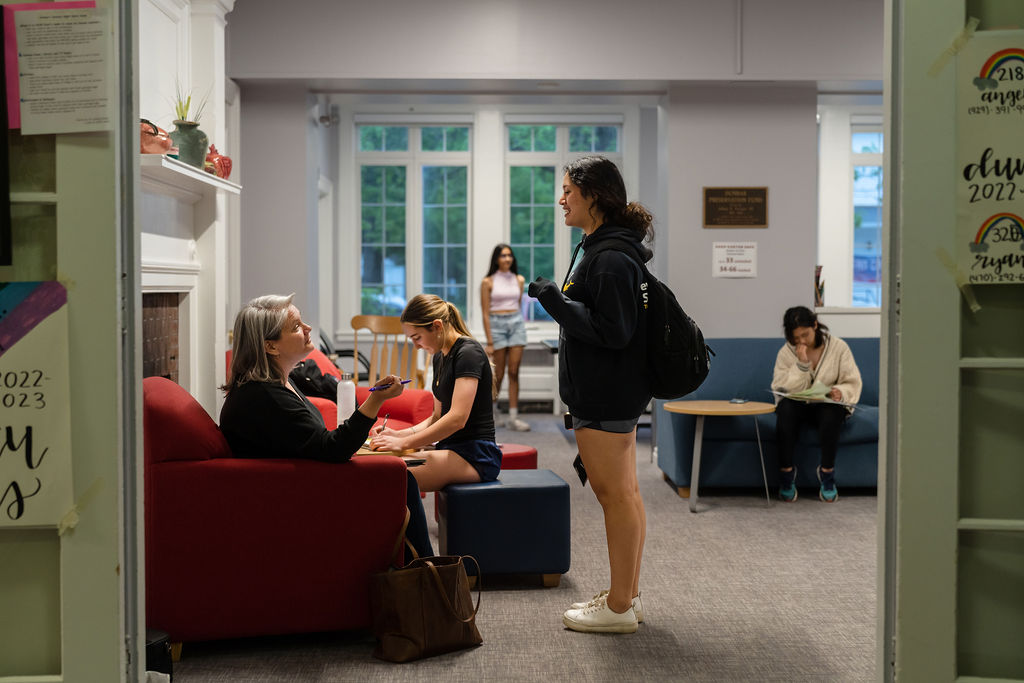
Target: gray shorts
[
  {"x": 508, "y": 329},
  {"x": 613, "y": 426}
]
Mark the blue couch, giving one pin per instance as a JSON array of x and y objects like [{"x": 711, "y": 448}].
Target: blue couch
[{"x": 742, "y": 368}]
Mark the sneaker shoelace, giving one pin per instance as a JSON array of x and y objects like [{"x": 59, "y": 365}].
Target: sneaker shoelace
[
  {"x": 602, "y": 596},
  {"x": 596, "y": 605}
]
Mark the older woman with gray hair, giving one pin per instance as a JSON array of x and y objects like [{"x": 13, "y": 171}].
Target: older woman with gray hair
[{"x": 266, "y": 416}]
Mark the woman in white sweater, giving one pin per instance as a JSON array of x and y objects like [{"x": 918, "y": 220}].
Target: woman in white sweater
[{"x": 812, "y": 356}]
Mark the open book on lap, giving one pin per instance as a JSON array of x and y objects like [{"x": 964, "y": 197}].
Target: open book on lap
[{"x": 817, "y": 393}]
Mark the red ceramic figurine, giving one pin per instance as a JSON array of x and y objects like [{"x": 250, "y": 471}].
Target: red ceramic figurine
[{"x": 221, "y": 164}]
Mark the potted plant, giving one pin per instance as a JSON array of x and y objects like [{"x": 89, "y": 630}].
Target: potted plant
[{"x": 189, "y": 139}]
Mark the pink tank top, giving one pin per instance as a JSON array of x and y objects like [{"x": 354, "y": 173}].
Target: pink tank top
[{"x": 504, "y": 291}]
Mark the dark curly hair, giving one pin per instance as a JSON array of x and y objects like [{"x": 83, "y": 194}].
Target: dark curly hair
[
  {"x": 599, "y": 178},
  {"x": 801, "y": 316}
]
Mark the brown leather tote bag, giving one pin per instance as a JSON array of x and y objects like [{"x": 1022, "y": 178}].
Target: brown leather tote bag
[{"x": 424, "y": 608}]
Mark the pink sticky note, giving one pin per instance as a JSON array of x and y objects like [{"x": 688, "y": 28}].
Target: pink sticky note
[{"x": 11, "y": 50}]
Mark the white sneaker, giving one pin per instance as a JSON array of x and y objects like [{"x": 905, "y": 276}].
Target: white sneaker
[
  {"x": 597, "y": 617},
  {"x": 517, "y": 425},
  {"x": 638, "y": 605}
]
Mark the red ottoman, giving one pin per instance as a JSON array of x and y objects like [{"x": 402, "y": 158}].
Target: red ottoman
[{"x": 514, "y": 456}]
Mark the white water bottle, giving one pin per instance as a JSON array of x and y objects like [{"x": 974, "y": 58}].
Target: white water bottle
[{"x": 346, "y": 397}]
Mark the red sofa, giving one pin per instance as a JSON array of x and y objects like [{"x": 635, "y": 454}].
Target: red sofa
[
  {"x": 238, "y": 547},
  {"x": 412, "y": 407}
]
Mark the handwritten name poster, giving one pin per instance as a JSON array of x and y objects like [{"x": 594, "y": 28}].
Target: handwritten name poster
[
  {"x": 990, "y": 158},
  {"x": 35, "y": 416}
]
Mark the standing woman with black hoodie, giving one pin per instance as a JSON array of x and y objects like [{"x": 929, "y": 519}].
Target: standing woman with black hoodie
[{"x": 602, "y": 375}]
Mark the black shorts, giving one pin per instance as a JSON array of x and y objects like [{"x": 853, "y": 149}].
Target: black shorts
[{"x": 613, "y": 426}]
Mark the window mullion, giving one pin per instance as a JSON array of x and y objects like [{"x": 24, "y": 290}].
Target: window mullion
[{"x": 414, "y": 229}]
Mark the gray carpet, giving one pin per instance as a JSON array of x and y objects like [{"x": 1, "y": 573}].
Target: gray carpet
[{"x": 738, "y": 592}]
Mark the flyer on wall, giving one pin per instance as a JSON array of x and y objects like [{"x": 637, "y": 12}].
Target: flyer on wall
[{"x": 990, "y": 158}]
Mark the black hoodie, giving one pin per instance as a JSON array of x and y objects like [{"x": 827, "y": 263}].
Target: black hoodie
[{"x": 602, "y": 359}]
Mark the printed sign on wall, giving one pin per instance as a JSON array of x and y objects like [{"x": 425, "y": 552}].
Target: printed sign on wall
[
  {"x": 35, "y": 420},
  {"x": 734, "y": 259},
  {"x": 990, "y": 158}
]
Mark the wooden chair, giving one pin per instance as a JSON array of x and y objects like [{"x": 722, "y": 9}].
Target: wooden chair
[{"x": 391, "y": 353}]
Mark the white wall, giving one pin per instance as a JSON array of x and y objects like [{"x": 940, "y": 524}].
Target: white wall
[
  {"x": 276, "y": 211},
  {"x": 572, "y": 39},
  {"x": 740, "y": 136}
]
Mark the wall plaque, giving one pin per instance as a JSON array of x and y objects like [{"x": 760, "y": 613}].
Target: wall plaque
[{"x": 735, "y": 207}]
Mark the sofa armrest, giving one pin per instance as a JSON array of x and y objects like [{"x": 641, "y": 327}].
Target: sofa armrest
[
  {"x": 238, "y": 547},
  {"x": 674, "y": 439}
]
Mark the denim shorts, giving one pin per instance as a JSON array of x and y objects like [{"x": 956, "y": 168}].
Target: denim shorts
[
  {"x": 508, "y": 329},
  {"x": 613, "y": 426},
  {"x": 484, "y": 456}
]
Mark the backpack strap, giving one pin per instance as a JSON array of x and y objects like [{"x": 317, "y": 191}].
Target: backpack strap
[{"x": 621, "y": 245}]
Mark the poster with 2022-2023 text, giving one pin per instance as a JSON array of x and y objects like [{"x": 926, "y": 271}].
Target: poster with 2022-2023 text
[
  {"x": 35, "y": 415},
  {"x": 990, "y": 158}
]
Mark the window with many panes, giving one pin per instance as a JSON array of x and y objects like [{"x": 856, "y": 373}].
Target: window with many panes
[
  {"x": 850, "y": 195},
  {"x": 866, "y": 162},
  {"x": 535, "y": 156},
  {"x": 414, "y": 214}
]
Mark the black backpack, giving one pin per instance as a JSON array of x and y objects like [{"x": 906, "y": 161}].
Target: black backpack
[
  {"x": 312, "y": 382},
  {"x": 678, "y": 360}
]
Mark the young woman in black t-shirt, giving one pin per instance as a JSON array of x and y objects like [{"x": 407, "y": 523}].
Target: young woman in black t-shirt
[{"x": 463, "y": 420}]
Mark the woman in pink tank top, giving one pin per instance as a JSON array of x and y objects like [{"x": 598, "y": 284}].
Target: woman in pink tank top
[{"x": 501, "y": 293}]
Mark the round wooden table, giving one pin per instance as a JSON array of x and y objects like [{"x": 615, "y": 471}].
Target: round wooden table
[{"x": 702, "y": 409}]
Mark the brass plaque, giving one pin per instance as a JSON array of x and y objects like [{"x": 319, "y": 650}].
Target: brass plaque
[{"x": 735, "y": 207}]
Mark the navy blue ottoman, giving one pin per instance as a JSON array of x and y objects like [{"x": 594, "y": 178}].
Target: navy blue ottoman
[{"x": 518, "y": 524}]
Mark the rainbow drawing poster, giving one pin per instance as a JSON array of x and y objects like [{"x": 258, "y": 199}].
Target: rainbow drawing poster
[
  {"x": 990, "y": 158},
  {"x": 35, "y": 415}
]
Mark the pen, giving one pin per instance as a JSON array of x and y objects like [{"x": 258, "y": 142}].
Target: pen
[
  {"x": 385, "y": 422},
  {"x": 387, "y": 386}
]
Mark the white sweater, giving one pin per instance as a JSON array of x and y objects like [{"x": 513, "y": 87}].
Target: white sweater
[{"x": 836, "y": 368}]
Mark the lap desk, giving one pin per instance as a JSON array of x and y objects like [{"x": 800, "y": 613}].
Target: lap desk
[{"x": 742, "y": 368}]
